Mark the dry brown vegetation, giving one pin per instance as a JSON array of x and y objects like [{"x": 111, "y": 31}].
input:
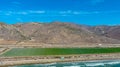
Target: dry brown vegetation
[{"x": 58, "y": 33}]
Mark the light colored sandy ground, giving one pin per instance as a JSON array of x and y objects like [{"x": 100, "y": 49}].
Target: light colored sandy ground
[
  {"x": 3, "y": 50},
  {"x": 57, "y": 45},
  {"x": 7, "y": 61},
  {"x": 9, "y": 44},
  {"x": 28, "y": 60}
]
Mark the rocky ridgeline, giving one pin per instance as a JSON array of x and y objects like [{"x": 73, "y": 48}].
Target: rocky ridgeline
[{"x": 59, "y": 33}]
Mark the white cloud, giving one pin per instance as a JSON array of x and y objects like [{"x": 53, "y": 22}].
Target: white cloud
[
  {"x": 80, "y": 12},
  {"x": 70, "y": 12},
  {"x": 97, "y": 1},
  {"x": 37, "y": 12},
  {"x": 22, "y": 13},
  {"x": 54, "y": 13},
  {"x": 16, "y": 3},
  {"x": 19, "y": 19},
  {"x": 65, "y": 12},
  {"x": 8, "y": 13}
]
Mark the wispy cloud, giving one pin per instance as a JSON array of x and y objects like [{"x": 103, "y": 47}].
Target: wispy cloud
[
  {"x": 16, "y": 3},
  {"x": 21, "y": 12},
  {"x": 38, "y": 12},
  {"x": 97, "y": 1},
  {"x": 54, "y": 13},
  {"x": 19, "y": 19},
  {"x": 65, "y": 12}
]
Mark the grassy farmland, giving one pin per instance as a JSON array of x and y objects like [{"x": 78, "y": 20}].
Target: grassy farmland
[{"x": 57, "y": 51}]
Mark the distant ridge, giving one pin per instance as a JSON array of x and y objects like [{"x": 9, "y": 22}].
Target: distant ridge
[{"x": 59, "y": 33}]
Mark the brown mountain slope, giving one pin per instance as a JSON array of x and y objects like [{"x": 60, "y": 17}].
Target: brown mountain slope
[
  {"x": 62, "y": 33},
  {"x": 107, "y": 31},
  {"x": 9, "y": 32},
  {"x": 55, "y": 33}
]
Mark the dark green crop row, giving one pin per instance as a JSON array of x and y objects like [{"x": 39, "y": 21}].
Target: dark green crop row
[{"x": 58, "y": 51}]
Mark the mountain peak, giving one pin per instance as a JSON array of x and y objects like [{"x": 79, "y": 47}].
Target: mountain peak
[{"x": 60, "y": 33}]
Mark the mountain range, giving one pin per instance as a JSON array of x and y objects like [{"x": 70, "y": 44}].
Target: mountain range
[{"x": 58, "y": 33}]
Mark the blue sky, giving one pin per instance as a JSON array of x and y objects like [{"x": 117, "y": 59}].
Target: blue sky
[{"x": 88, "y": 12}]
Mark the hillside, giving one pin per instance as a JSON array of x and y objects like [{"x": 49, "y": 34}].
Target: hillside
[{"x": 59, "y": 33}]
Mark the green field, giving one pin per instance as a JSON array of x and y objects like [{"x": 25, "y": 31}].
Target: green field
[{"x": 57, "y": 51}]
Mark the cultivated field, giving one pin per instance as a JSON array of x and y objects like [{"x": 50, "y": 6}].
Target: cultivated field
[{"x": 57, "y": 51}]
